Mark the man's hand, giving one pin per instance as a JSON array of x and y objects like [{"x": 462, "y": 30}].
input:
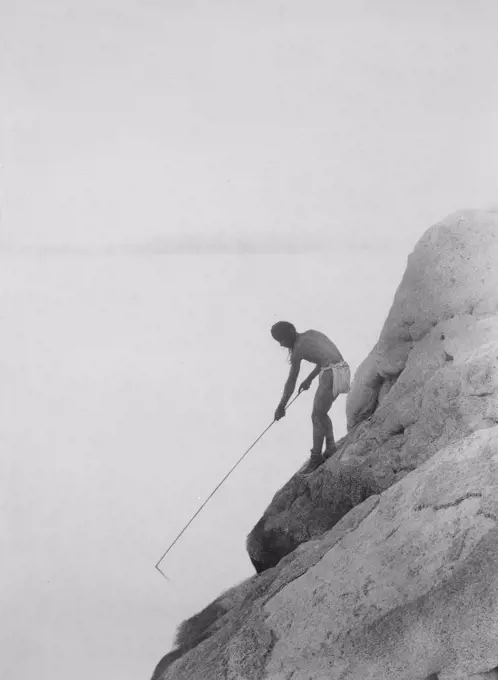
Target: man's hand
[
  {"x": 280, "y": 412},
  {"x": 305, "y": 385}
]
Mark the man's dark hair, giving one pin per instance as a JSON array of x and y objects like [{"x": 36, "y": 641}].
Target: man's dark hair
[{"x": 284, "y": 331}]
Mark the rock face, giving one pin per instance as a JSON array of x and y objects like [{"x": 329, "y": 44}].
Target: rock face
[
  {"x": 384, "y": 562},
  {"x": 449, "y": 283},
  {"x": 430, "y": 379}
]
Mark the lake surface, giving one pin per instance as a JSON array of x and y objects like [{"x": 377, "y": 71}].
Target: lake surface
[{"x": 130, "y": 385}]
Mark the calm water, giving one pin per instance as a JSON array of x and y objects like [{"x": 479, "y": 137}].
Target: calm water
[{"x": 130, "y": 385}]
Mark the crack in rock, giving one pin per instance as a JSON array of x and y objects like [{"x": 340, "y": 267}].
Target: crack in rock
[
  {"x": 451, "y": 504},
  {"x": 488, "y": 515}
]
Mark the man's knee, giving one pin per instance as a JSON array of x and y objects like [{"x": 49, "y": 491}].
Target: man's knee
[{"x": 317, "y": 417}]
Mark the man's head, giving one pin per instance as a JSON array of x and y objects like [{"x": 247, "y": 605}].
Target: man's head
[{"x": 284, "y": 333}]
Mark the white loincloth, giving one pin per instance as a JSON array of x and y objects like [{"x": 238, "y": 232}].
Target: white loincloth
[{"x": 341, "y": 377}]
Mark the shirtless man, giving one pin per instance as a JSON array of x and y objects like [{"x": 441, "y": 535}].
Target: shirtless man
[{"x": 334, "y": 373}]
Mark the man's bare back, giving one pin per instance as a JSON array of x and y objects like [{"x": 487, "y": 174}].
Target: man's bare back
[{"x": 316, "y": 348}]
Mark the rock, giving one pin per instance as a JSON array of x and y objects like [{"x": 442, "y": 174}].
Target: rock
[
  {"x": 309, "y": 505},
  {"x": 412, "y": 591},
  {"x": 430, "y": 379},
  {"x": 246, "y": 599},
  {"x": 405, "y": 586},
  {"x": 383, "y": 562},
  {"x": 450, "y": 275}
]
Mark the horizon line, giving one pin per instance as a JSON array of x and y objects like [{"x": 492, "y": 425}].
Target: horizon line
[{"x": 185, "y": 248}]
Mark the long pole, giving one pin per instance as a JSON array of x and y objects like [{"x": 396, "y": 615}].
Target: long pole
[{"x": 215, "y": 490}]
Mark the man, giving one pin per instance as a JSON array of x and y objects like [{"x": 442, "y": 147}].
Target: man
[{"x": 335, "y": 377}]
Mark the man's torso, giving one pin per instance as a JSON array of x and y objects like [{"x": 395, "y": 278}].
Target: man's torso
[{"x": 316, "y": 348}]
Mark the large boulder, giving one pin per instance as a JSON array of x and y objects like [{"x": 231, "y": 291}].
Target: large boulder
[
  {"x": 383, "y": 562},
  {"x": 430, "y": 379},
  {"x": 405, "y": 586},
  {"x": 451, "y": 277}
]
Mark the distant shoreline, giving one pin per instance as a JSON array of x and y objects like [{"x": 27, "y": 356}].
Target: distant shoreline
[{"x": 240, "y": 248}]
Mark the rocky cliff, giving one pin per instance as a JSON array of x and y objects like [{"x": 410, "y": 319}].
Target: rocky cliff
[{"x": 381, "y": 564}]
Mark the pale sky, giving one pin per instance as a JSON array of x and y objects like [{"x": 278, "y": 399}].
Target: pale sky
[
  {"x": 129, "y": 121},
  {"x": 131, "y": 384}
]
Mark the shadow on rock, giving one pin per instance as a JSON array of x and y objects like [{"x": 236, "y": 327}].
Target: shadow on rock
[{"x": 309, "y": 505}]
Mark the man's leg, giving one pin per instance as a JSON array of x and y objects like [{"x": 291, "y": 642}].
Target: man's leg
[
  {"x": 318, "y": 433},
  {"x": 322, "y": 425},
  {"x": 330, "y": 447}
]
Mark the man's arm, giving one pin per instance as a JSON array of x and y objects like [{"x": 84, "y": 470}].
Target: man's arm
[
  {"x": 290, "y": 385},
  {"x": 306, "y": 384}
]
